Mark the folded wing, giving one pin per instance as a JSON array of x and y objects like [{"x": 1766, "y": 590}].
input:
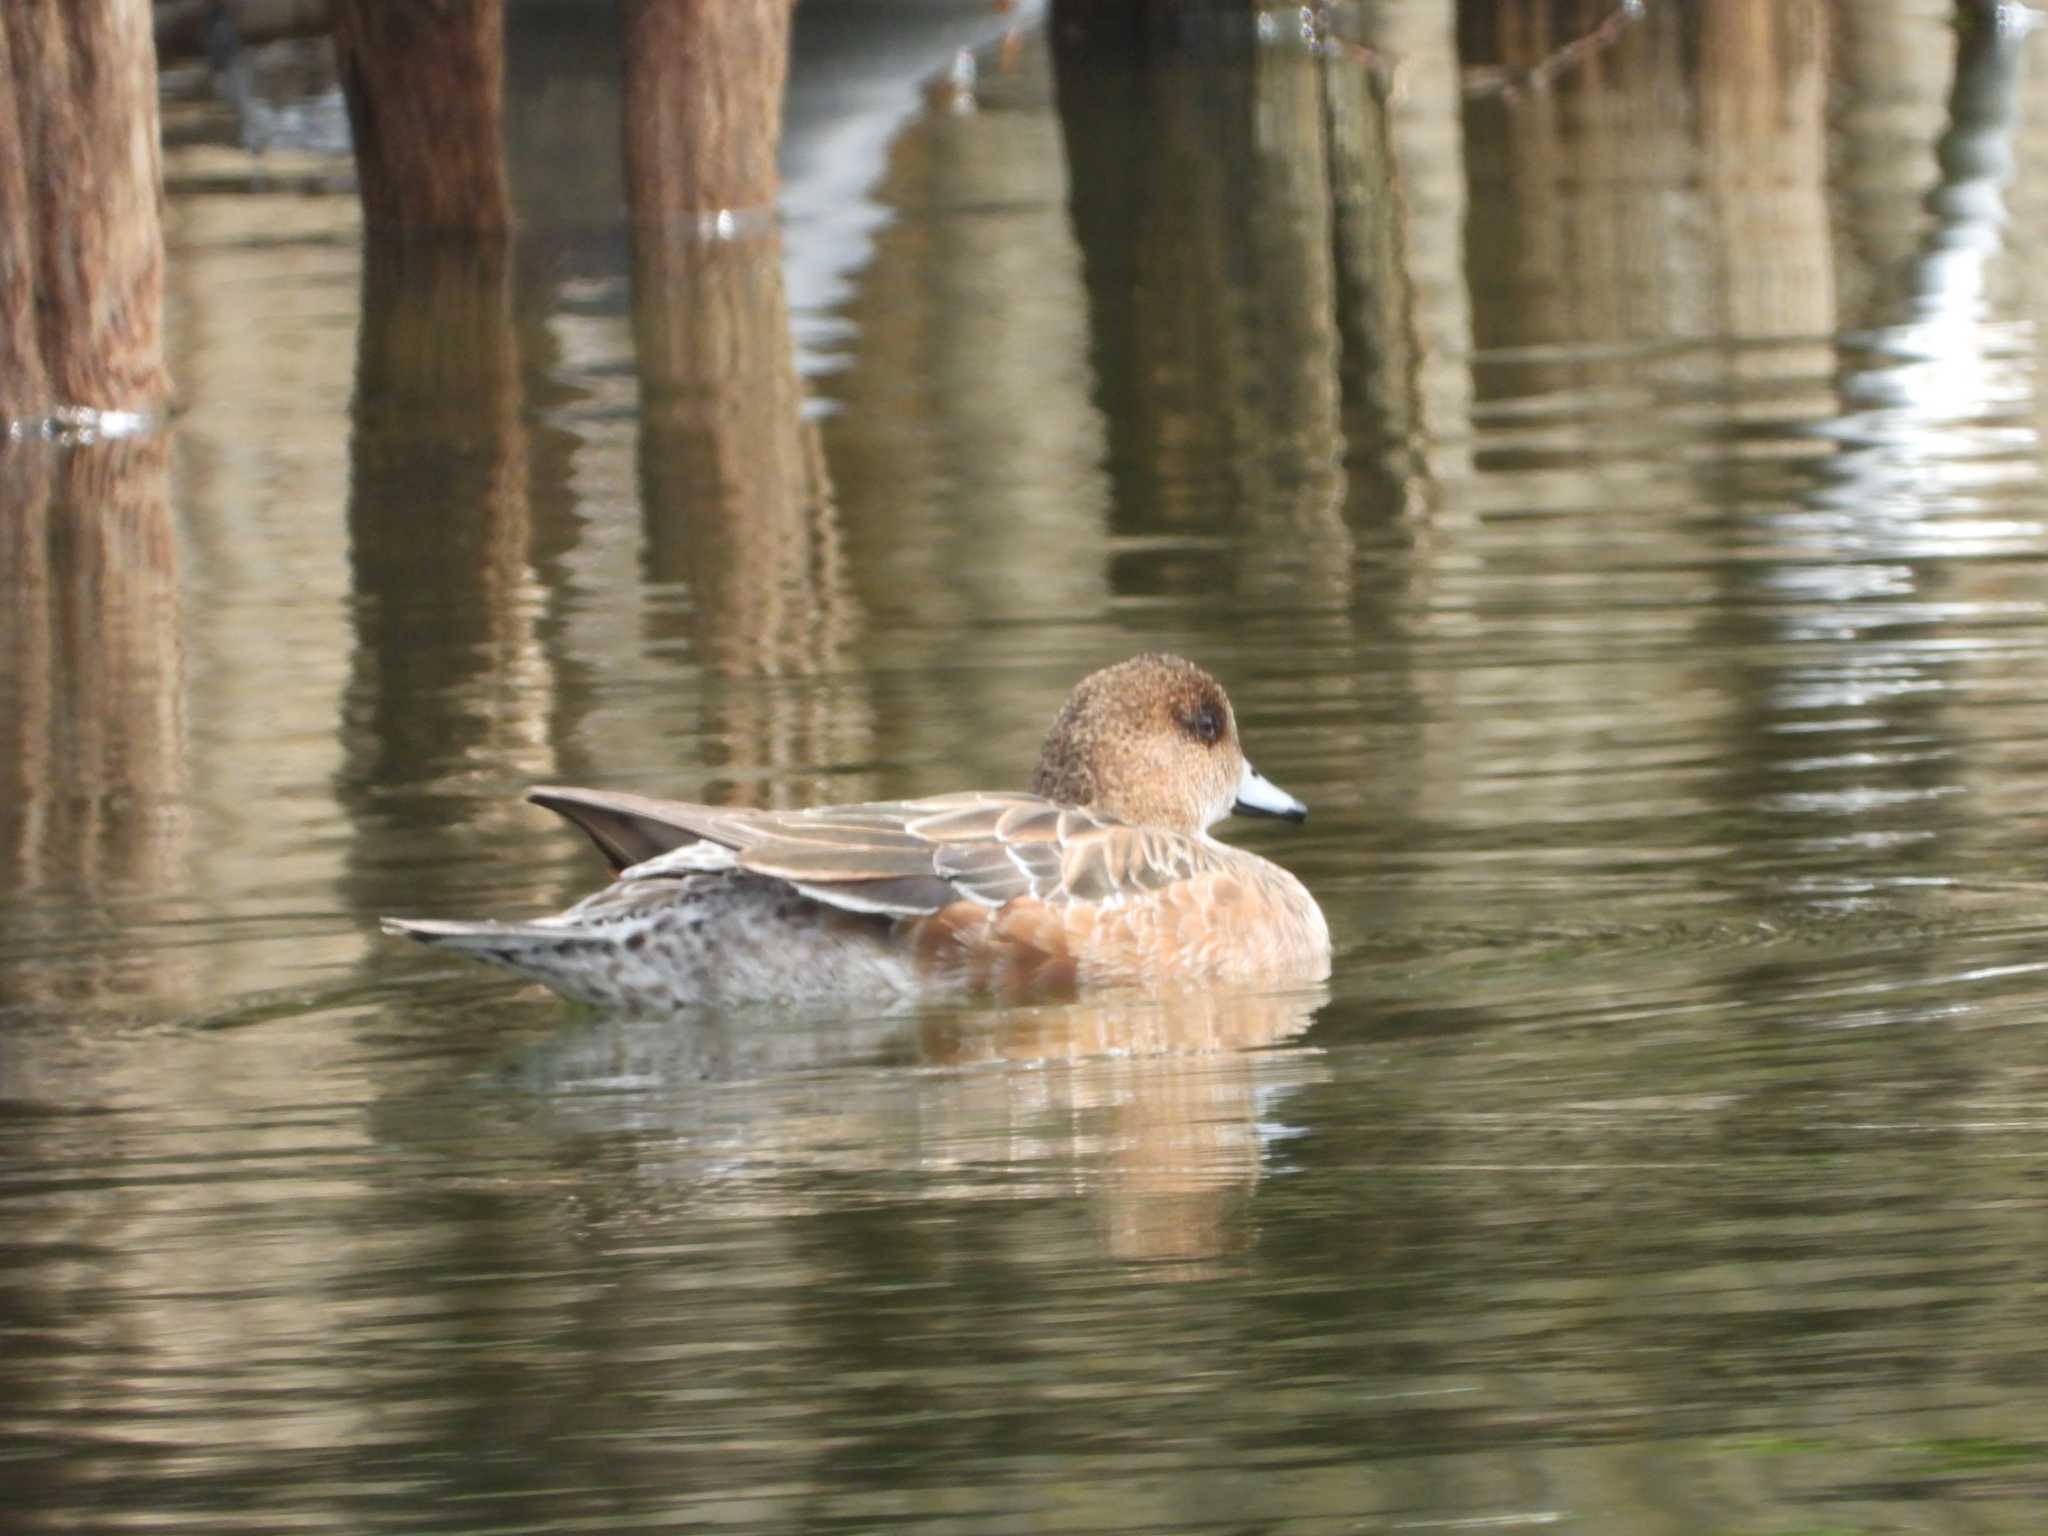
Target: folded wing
[{"x": 897, "y": 858}]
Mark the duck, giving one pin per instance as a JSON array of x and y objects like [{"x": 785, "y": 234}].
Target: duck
[{"x": 1103, "y": 874}]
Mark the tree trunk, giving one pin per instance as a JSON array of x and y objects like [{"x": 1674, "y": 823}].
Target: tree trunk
[
  {"x": 425, "y": 81},
  {"x": 703, "y": 105},
  {"x": 81, "y": 237},
  {"x": 24, "y": 387}
]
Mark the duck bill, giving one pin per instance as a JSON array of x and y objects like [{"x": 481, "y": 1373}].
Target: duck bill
[{"x": 1258, "y": 795}]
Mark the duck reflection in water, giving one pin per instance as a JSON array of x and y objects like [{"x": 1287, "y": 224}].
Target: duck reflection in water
[
  {"x": 1161, "y": 1115},
  {"x": 1104, "y": 875}
]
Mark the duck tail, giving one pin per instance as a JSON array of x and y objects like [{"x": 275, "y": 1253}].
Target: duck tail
[
  {"x": 556, "y": 954},
  {"x": 487, "y": 940}
]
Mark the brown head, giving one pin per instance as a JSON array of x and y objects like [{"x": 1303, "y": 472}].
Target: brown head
[{"x": 1153, "y": 741}]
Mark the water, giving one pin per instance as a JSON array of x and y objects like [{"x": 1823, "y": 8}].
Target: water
[{"x": 1615, "y": 503}]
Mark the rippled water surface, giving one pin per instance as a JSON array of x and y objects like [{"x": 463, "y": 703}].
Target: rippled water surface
[{"x": 1601, "y": 452}]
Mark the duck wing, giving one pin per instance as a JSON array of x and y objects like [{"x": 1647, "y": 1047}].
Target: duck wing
[
  {"x": 901, "y": 858},
  {"x": 1029, "y": 847},
  {"x": 627, "y": 829}
]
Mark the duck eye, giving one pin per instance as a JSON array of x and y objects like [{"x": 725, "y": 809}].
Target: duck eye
[{"x": 1206, "y": 724}]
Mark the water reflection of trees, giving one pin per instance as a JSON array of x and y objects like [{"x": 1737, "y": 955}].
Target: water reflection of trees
[
  {"x": 1201, "y": 202},
  {"x": 738, "y": 510},
  {"x": 93, "y": 743},
  {"x": 1510, "y": 1251},
  {"x": 449, "y": 680}
]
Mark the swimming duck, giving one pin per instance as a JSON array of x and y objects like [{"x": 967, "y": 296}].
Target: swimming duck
[{"x": 1104, "y": 874}]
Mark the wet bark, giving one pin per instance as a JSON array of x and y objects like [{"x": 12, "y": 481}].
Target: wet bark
[
  {"x": 81, "y": 237},
  {"x": 24, "y": 387},
  {"x": 426, "y": 87},
  {"x": 703, "y": 104}
]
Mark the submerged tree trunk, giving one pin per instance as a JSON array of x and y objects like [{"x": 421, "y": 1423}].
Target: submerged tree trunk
[
  {"x": 703, "y": 105},
  {"x": 732, "y": 478},
  {"x": 81, "y": 237},
  {"x": 426, "y": 92}
]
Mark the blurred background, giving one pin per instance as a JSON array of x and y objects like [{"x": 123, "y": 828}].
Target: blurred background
[{"x": 1598, "y": 445}]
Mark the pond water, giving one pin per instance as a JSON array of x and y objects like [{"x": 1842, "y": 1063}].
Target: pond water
[{"x": 1602, "y": 452}]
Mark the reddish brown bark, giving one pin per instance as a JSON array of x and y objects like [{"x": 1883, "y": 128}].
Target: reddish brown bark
[
  {"x": 24, "y": 387},
  {"x": 703, "y": 105},
  {"x": 81, "y": 236},
  {"x": 425, "y": 82}
]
